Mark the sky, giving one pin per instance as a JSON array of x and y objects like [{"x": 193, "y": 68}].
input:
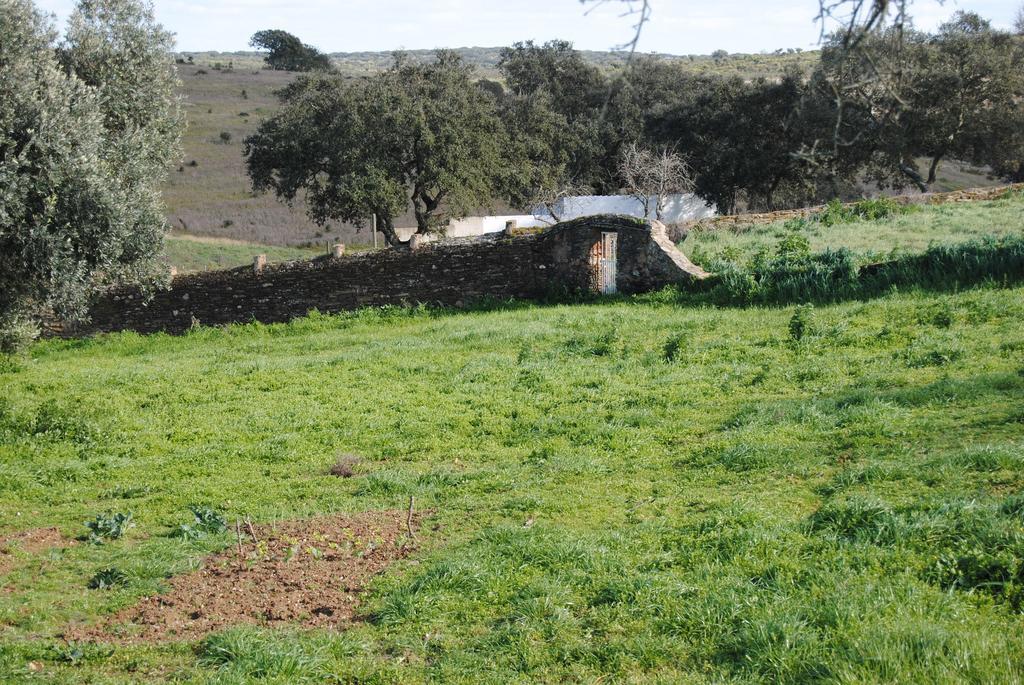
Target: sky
[{"x": 676, "y": 27}]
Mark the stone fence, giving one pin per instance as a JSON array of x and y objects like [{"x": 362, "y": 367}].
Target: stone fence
[{"x": 602, "y": 253}]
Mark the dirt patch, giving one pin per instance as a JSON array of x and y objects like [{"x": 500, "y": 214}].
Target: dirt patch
[
  {"x": 307, "y": 573},
  {"x": 28, "y": 542}
]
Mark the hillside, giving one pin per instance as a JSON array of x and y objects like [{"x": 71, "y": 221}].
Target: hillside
[
  {"x": 209, "y": 193},
  {"x": 746, "y": 66},
  {"x": 626, "y": 490}
]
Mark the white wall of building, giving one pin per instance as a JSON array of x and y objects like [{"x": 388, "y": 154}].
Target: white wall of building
[{"x": 677, "y": 209}]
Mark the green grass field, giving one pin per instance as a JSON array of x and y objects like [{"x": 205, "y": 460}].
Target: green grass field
[
  {"x": 902, "y": 234},
  {"x": 626, "y": 490}
]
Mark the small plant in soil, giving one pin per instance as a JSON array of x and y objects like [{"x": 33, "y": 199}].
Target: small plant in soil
[
  {"x": 107, "y": 578},
  {"x": 108, "y": 526},
  {"x": 207, "y": 521}
]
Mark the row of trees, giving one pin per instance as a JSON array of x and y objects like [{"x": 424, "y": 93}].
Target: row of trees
[
  {"x": 87, "y": 128},
  {"x": 432, "y": 136}
]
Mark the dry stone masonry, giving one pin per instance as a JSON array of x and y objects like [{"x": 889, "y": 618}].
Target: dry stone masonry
[{"x": 599, "y": 254}]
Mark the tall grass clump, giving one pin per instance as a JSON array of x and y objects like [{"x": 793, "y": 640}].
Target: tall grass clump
[
  {"x": 835, "y": 212},
  {"x": 1000, "y": 260},
  {"x": 791, "y": 273}
]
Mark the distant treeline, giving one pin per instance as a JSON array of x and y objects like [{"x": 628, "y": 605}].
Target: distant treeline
[
  {"x": 486, "y": 60},
  {"x": 433, "y": 133}
]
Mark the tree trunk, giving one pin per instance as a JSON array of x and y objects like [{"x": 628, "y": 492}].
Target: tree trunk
[
  {"x": 934, "y": 167},
  {"x": 423, "y": 207},
  {"x": 912, "y": 174},
  {"x": 386, "y": 226}
]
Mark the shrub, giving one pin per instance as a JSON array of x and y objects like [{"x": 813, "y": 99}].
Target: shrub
[
  {"x": 16, "y": 331},
  {"x": 673, "y": 346},
  {"x": 107, "y": 578},
  {"x": 835, "y": 212},
  {"x": 800, "y": 321},
  {"x": 207, "y": 520},
  {"x": 225, "y": 137},
  {"x": 108, "y": 526}
]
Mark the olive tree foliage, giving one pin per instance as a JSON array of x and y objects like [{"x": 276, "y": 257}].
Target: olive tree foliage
[
  {"x": 1018, "y": 22},
  {"x": 286, "y": 52},
  {"x": 419, "y": 134},
  {"x": 86, "y": 132}
]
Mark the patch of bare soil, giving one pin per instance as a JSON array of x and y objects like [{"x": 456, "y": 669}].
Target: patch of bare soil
[
  {"x": 307, "y": 573},
  {"x": 28, "y": 542}
]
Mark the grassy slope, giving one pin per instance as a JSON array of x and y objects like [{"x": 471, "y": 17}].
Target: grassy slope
[
  {"x": 872, "y": 240},
  {"x": 846, "y": 507},
  {"x": 189, "y": 253},
  {"x": 214, "y": 197}
]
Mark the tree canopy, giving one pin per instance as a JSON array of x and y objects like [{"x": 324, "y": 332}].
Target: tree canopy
[
  {"x": 419, "y": 134},
  {"x": 86, "y": 133},
  {"x": 287, "y": 52}
]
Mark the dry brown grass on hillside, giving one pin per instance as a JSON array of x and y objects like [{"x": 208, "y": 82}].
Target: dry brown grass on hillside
[{"x": 210, "y": 193}]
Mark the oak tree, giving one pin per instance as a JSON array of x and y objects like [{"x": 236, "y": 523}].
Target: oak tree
[{"x": 419, "y": 134}]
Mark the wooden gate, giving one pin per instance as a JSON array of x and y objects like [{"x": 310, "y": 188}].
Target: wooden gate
[{"x": 604, "y": 264}]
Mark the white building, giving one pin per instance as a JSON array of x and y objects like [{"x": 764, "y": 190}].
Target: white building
[{"x": 677, "y": 209}]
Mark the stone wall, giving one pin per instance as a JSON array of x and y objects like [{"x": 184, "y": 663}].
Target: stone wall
[{"x": 449, "y": 273}]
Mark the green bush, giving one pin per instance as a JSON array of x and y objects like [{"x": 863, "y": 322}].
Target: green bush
[
  {"x": 206, "y": 521},
  {"x": 107, "y": 578},
  {"x": 800, "y": 322},
  {"x": 108, "y": 526},
  {"x": 835, "y": 212}
]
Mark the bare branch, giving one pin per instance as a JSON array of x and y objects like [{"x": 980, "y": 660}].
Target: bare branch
[
  {"x": 651, "y": 177},
  {"x": 641, "y": 9}
]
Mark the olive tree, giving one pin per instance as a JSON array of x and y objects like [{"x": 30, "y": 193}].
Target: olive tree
[
  {"x": 81, "y": 157},
  {"x": 419, "y": 134}
]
